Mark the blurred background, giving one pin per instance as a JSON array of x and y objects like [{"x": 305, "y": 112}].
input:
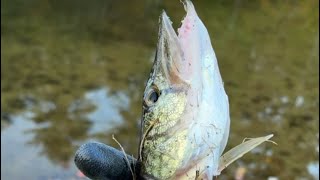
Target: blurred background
[{"x": 74, "y": 71}]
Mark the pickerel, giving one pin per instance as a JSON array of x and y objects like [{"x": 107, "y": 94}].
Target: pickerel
[{"x": 185, "y": 125}]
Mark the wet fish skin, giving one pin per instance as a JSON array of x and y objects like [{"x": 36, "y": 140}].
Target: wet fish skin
[{"x": 185, "y": 124}]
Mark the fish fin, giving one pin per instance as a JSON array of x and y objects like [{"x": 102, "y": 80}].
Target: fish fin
[{"x": 241, "y": 149}]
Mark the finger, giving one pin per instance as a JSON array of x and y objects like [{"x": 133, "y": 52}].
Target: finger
[{"x": 99, "y": 161}]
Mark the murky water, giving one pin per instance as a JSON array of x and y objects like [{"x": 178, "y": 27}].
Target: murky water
[{"x": 74, "y": 71}]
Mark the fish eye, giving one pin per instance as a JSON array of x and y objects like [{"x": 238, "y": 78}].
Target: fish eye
[{"x": 152, "y": 96}]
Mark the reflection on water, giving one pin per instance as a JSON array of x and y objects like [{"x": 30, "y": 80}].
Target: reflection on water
[
  {"x": 107, "y": 114},
  {"x": 75, "y": 71},
  {"x": 28, "y": 161},
  {"x": 313, "y": 169}
]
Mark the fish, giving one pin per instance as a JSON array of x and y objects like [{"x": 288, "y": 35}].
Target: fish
[{"x": 185, "y": 120}]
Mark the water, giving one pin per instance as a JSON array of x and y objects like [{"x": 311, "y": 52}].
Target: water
[{"x": 75, "y": 71}]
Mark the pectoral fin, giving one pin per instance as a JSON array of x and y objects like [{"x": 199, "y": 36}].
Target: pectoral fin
[{"x": 238, "y": 151}]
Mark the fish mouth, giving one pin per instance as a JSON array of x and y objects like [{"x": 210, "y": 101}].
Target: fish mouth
[{"x": 176, "y": 52}]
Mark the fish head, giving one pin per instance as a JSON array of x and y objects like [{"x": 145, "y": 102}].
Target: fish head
[
  {"x": 185, "y": 122},
  {"x": 164, "y": 102}
]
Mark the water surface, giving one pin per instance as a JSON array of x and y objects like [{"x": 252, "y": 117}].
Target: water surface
[{"x": 75, "y": 71}]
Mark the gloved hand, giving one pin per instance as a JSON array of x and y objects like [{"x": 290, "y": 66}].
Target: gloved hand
[{"x": 99, "y": 161}]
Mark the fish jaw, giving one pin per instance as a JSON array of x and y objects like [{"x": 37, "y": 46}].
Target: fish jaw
[
  {"x": 194, "y": 35},
  {"x": 208, "y": 132},
  {"x": 187, "y": 129}
]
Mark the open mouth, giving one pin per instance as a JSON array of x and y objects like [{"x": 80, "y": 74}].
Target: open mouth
[{"x": 181, "y": 54}]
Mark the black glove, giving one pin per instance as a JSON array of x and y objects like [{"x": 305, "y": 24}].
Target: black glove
[{"x": 99, "y": 161}]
